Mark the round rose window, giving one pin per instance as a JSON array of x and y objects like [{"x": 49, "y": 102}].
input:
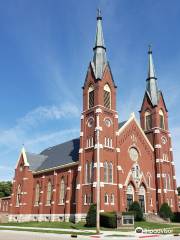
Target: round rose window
[{"x": 133, "y": 153}]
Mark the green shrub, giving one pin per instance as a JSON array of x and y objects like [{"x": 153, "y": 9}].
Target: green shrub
[
  {"x": 91, "y": 216},
  {"x": 165, "y": 211},
  {"x": 108, "y": 220},
  {"x": 176, "y": 217},
  {"x": 136, "y": 210}
]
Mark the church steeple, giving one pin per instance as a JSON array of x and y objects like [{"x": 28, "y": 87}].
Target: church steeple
[
  {"x": 99, "y": 60},
  {"x": 151, "y": 87}
]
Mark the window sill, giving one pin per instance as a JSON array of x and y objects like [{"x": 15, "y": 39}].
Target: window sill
[
  {"x": 36, "y": 205},
  {"x": 87, "y": 148},
  {"x": 48, "y": 205},
  {"x": 111, "y": 148},
  {"x": 61, "y": 204}
]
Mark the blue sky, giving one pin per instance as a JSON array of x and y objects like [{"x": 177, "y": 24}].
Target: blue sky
[{"x": 45, "y": 48}]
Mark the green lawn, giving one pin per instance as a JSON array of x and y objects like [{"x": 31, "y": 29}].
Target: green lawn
[
  {"x": 81, "y": 226},
  {"x": 48, "y": 231},
  {"x": 150, "y": 225},
  {"x": 63, "y": 225}
]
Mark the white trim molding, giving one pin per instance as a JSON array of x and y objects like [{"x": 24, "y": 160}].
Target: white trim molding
[
  {"x": 120, "y": 186},
  {"x": 132, "y": 117},
  {"x": 118, "y": 150},
  {"x": 157, "y": 146},
  {"x": 81, "y": 150},
  {"x": 96, "y": 146},
  {"x": 98, "y": 110},
  {"x": 156, "y": 131}
]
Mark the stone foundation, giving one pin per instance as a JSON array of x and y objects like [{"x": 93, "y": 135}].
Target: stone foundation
[{"x": 46, "y": 217}]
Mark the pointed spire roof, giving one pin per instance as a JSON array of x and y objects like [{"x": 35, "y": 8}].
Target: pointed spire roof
[
  {"x": 151, "y": 87},
  {"x": 99, "y": 60}
]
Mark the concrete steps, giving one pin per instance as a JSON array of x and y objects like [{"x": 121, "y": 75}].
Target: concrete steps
[{"x": 155, "y": 218}]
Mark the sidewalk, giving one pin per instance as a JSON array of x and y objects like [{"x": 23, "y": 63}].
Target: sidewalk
[
  {"x": 104, "y": 233},
  {"x": 112, "y": 234}
]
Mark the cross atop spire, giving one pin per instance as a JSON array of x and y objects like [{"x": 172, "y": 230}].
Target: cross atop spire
[
  {"x": 99, "y": 59},
  {"x": 151, "y": 87},
  {"x": 99, "y": 14}
]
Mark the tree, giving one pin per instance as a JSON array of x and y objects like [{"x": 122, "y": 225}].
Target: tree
[
  {"x": 136, "y": 209},
  {"x": 91, "y": 216},
  {"x": 5, "y": 189},
  {"x": 165, "y": 211}
]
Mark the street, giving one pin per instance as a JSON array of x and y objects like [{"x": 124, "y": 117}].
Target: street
[{"x": 17, "y": 235}]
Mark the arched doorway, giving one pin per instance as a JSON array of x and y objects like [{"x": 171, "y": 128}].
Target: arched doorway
[
  {"x": 142, "y": 198},
  {"x": 129, "y": 195}
]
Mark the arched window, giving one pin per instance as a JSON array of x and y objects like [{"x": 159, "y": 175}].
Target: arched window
[
  {"x": 165, "y": 181},
  {"x": 106, "y": 198},
  {"x": 161, "y": 119},
  {"x": 91, "y": 166},
  {"x": 107, "y": 96},
  {"x": 168, "y": 181},
  {"x": 37, "y": 194},
  {"x": 135, "y": 171},
  {"x": 18, "y": 196},
  {"x": 149, "y": 179},
  {"x": 62, "y": 191},
  {"x": 112, "y": 199},
  {"x": 110, "y": 172},
  {"x": 129, "y": 195},
  {"x": 105, "y": 172},
  {"x": 148, "y": 120},
  {"x": 91, "y": 96},
  {"x": 142, "y": 197},
  {"x": 85, "y": 199},
  {"x": 49, "y": 193},
  {"x": 87, "y": 172}
]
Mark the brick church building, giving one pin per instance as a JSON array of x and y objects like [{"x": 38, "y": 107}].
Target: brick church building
[{"x": 127, "y": 160}]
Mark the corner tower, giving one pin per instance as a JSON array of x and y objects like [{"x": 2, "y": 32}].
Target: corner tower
[
  {"x": 154, "y": 121},
  {"x": 99, "y": 123}
]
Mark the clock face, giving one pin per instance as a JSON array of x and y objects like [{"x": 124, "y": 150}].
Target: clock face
[
  {"x": 133, "y": 153},
  {"x": 108, "y": 122},
  {"x": 90, "y": 122},
  {"x": 164, "y": 139}
]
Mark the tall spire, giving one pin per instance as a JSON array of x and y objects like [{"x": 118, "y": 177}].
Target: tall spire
[
  {"x": 99, "y": 59},
  {"x": 151, "y": 87}
]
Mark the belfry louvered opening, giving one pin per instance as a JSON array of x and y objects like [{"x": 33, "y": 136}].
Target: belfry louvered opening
[
  {"x": 107, "y": 96},
  {"x": 91, "y": 96}
]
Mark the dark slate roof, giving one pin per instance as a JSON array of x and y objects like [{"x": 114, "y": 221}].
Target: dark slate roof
[
  {"x": 61, "y": 154},
  {"x": 55, "y": 156},
  {"x": 121, "y": 124},
  {"x": 35, "y": 160}
]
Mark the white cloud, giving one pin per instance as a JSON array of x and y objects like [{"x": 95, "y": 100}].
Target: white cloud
[
  {"x": 44, "y": 113},
  {"x": 26, "y": 130}
]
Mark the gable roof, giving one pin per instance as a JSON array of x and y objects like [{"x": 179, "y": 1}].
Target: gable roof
[
  {"x": 56, "y": 156},
  {"x": 61, "y": 154},
  {"x": 132, "y": 117}
]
